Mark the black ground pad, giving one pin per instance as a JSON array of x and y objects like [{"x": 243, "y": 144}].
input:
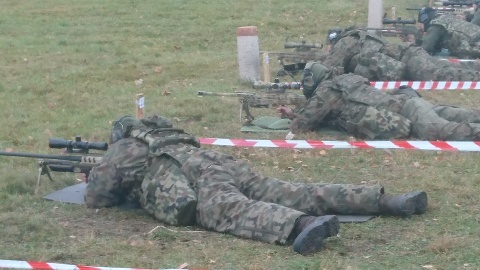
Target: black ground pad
[{"x": 74, "y": 194}]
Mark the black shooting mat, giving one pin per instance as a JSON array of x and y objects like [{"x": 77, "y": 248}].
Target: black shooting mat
[{"x": 75, "y": 195}]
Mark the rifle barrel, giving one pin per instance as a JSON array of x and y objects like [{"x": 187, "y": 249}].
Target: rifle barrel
[
  {"x": 239, "y": 94},
  {"x": 45, "y": 156}
]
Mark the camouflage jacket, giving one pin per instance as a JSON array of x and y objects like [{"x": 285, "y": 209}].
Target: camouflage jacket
[
  {"x": 349, "y": 103},
  {"x": 462, "y": 38}
]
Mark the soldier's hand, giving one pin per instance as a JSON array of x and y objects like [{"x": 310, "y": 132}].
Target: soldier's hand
[{"x": 285, "y": 112}]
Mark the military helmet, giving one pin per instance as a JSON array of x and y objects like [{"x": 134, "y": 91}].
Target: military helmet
[
  {"x": 157, "y": 121},
  {"x": 121, "y": 127},
  {"x": 312, "y": 75},
  {"x": 426, "y": 14},
  {"x": 333, "y": 35}
]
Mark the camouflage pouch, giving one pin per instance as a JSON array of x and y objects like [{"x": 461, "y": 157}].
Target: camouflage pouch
[
  {"x": 167, "y": 193},
  {"x": 387, "y": 68}
]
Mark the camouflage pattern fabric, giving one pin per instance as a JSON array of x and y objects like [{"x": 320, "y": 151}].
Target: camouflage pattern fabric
[
  {"x": 379, "y": 66},
  {"x": 430, "y": 122},
  {"x": 233, "y": 199},
  {"x": 350, "y": 104},
  {"x": 476, "y": 17},
  {"x": 121, "y": 171},
  {"x": 422, "y": 66},
  {"x": 376, "y": 59},
  {"x": 181, "y": 183},
  {"x": 166, "y": 192},
  {"x": 463, "y": 37}
]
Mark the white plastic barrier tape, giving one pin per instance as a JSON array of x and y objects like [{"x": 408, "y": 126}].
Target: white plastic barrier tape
[
  {"x": 59, "y": 266},
  {"x": 427, "y": 85},
  {"x": 311, "y": 144}
]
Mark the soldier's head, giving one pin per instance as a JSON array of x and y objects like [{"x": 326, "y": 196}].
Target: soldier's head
[
  {"x": 313, "y": 74},
  {"x": 332, "y": 36},
  {"x": 425, "y": 16},
  {"x": 123, "y": 125}
]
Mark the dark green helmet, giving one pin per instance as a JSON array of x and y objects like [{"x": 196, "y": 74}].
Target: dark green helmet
[
  {"x": 425, "y": 15},
  {"x": 312, "y": 75}
]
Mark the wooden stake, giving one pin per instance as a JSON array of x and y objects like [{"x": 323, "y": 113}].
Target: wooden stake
[{"x": 140, "y": 104}]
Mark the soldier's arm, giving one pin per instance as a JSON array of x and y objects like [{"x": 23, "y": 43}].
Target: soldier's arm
[
  {"x": 432, "y": 40},
  {"x": 313, "y": 114},
  {"x": 476, "y": 17},
  {"x": 111, "y": 181}
]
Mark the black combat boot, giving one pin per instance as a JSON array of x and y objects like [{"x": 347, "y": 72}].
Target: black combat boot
[
  {"x": 403, "y": 205},
  {"x": 310, "y": 232}
]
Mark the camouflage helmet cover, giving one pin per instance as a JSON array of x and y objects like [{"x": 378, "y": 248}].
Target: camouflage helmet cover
[
  {"x": 122, "y": 126},
  {"x": 157, "y": 121}
]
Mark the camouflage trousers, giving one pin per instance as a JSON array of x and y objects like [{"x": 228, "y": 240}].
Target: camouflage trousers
[
  {"x": 233, "y": 199},
  {"x": 439, "y": 122},
  {"x": 421, "y": 66}
]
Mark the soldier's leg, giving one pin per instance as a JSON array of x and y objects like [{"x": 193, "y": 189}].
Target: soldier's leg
[
  {"x": 421, "y": 66},
  {"x": 428, "y": 125},
  {"x": 223, "y": 208},
  {"x": 457, "y": 114},
  {"x": 312, "y": 199}
]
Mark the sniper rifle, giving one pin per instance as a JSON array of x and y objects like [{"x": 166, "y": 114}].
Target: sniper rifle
[
  {"x": 398, "y": 21},
  {"x": 78, "y": 159},
  {"x": 403, "y": 29},
  {"x": 304, "y": 52},
  {"x": 403, "y": 32},
  {"x": 264, "y": 100}
]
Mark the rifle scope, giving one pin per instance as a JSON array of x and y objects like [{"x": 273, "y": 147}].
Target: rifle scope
[{"x": 77, "y": 146}]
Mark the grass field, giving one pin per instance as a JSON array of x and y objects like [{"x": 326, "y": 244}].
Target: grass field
[{"x": 68, "y": 68}]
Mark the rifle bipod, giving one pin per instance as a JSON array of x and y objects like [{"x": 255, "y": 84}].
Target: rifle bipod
[{"x": 42, "y": 169}]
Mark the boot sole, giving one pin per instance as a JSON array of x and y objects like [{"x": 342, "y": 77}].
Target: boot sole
[
  {"x": 415, "y": 203},
  {"x": 311, "y": 238},
  {"x": 421, "y": 202}
]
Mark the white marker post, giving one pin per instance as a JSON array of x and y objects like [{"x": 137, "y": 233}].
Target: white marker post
[
  {"x": 375, "y": 14},
  {"x": 140, "y": 106},
  {"x": 248, "y": 53}
]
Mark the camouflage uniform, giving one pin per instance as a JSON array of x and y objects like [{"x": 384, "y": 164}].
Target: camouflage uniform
[
  {"x": 460, "y": 37},
  {"x": 374, "y": 58},
  {"x": 169, "y": 178},
  {"x": 476, "y": 17},
  {"x": 348, "y": 102}
]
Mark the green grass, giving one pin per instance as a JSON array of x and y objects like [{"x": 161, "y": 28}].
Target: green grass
[{"x": 68, "y": 68}]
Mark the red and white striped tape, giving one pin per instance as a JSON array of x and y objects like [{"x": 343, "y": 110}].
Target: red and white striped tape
[
  {"x": 311, "y": 144},
  {"x": 427, "y": 85},
  {"x": 10, "y": 264}
]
